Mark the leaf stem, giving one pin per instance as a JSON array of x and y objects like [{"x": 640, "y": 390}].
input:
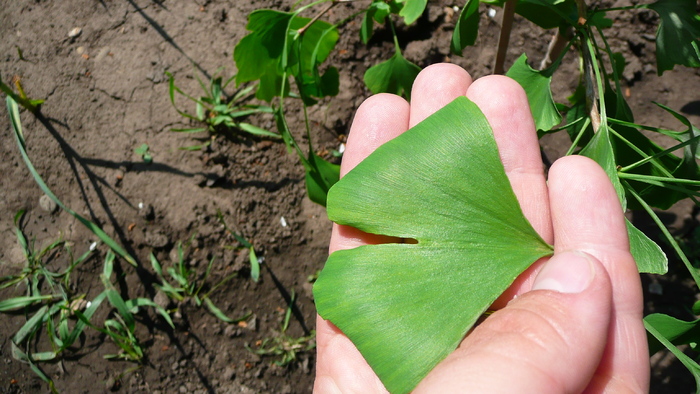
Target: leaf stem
[
  {"x": 659, "y": 154},
  {"x": 578, "y": 137},
  {"x": 693, "y": 271},
  {"x": 590, "y": 70},
  {"x": 640, "y": 177},
  {"x": 503, "y": 41}
]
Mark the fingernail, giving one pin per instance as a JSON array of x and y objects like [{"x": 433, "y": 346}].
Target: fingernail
[{"x": 566, "y": 272}]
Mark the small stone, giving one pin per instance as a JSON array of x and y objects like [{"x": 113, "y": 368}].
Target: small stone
[
  {"x": 232, "y": 331},
  {"x": 47, "y": 204},
  {"x": 75, "y": 32},
  {"x": 156, "y": 239},
  {"x": 161, "y": 299},
  {"x": 229, "y": 374},
  {"x": 102, "y": 53},
  {"x": 80, "y": 50}
]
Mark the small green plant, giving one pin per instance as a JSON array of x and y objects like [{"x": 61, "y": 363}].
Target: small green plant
[
  {"x": 50, "y": 292},
  {"x": 188, "y": 284},
  {"x": 143, "y": 151},
  {"x": 121, "y": 327},
  {"x": 283, "y": 346},
  {"x": 218, "y": 113},
  {"x": 245, "y": 244},
  {"x": 32, "y": 105}
]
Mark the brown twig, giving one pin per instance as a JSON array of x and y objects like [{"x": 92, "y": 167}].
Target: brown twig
[
  {"x": 588, "y": 77},
  {"x": 506, "y": 27},
  {"x": 556, "y": 46},
  {"x": 318, "y": 16}
]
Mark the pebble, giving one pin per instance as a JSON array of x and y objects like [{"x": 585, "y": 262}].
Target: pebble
[
  {"x": 102, "y": 53},
  {"x": 80, "y": 50},
  {"x": 156, "y": 239},
  {"x": 229, "y": 374},
  {"x": 75, "y": 32},
  {"x": 47, "y": 204},
  {"x": 161, "y": 299}
]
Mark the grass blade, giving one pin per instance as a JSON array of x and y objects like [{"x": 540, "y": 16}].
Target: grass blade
[
  {"x": 21, "y": 302},
  {"x": 31, "y": 325},
  {"x": 13, "y": 110}
]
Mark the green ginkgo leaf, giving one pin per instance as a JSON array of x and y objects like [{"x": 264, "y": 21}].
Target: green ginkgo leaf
[
  {"x": 467, "y": 27},
  {"x": 678, "y": 36},
  {"x": 406, "y": 306},
  {"x": 539, "y": 92},
  {"x": 412, "y": 10},
  {"x": 395, "y": 75}
]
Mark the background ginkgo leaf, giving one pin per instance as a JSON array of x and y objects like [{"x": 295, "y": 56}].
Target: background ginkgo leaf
[
  {"x": 539, "y": 93},
  {"x": 395, "y": 75},
  {"x": 678, "y": 36},
  {"x": 407, "y": 306},
  {"x": 467, "y": 27}
]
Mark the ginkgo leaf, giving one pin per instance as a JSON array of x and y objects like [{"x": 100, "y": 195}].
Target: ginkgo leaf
[
  {"x": 678, "y": 36},
  {"x": 407, "y": 306},
  {"x": 539, "y": 93},
  {"x": 467, "y": 27},
  {"x": 412, "y": 10},
  {"x": 395, "y": 75}
]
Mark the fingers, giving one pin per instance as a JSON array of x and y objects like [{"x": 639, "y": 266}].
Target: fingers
[
  {"x": 340, "y": 366},
  {"x": 435, "y": 87},
  {"x": 581, "y": 333},
  {"x": 546, "y": 341},
  {"x": 505, "y": 105},
  {"x": 379, "y": 119},
  {"x": 587, "y": 216}
]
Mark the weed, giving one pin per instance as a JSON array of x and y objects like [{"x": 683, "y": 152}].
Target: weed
[
  {"x": 188, "y": 285},
  {"x": 283, "y": 346},
  {"x": 252, "y": 256},
  {"x": 143, "y": 151},
  {"x": 50, "y": 297},
  {"x": 16, "y": 124},
  {"x": 218, "y": 113},
  {"x": 32, "y": 105}
]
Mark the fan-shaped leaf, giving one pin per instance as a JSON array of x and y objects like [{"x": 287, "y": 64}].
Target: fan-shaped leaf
[{"x": 407, "y": 306}]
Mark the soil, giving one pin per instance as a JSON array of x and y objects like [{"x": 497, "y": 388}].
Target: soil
[{"x": 107, "y": 94}]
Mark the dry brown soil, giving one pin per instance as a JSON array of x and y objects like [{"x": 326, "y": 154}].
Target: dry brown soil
[{"x": 106, "y": 94}]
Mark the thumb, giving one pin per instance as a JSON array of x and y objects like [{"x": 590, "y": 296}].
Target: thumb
[{"x": 549, "y": 340}]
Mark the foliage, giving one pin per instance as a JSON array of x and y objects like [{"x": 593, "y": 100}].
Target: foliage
[
  {"x": 244, "y": 243},
  {"x": 143, "y": 151},
  {"x": 30, "y": 104},
  {"x": 188, "y": 285},
  {"x": 52, "y": 305},
  {"x": 217, "y": 112}
]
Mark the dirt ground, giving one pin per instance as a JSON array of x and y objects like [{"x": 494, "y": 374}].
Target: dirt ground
[{"x": 106, "y": 94}]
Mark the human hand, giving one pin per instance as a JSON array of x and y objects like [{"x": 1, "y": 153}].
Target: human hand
[{"x": 570, "y": 323}]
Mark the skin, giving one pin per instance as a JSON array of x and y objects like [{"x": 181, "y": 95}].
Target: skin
[{"x": 572, "y": 323}]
